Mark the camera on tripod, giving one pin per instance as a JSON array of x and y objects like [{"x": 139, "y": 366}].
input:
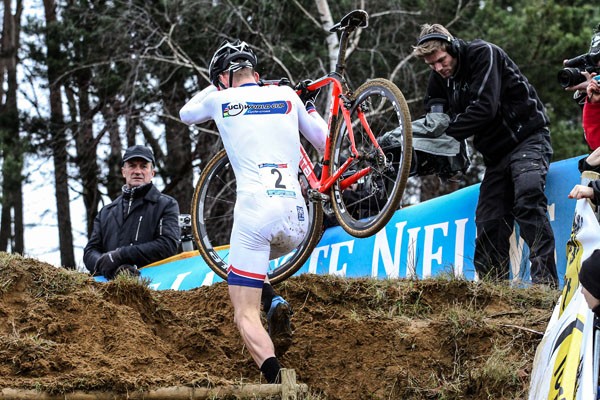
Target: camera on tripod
[{"x": 185, "y": 225}]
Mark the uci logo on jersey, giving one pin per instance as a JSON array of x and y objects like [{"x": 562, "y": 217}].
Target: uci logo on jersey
[{"x": 271, "y": 107}]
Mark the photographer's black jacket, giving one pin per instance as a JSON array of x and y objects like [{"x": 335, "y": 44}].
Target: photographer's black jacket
[
  {"x": 490, "y": 99},
  {"x": 143, "y": 222}
]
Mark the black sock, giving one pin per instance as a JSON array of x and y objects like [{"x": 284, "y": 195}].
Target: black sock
[
  {"x": 267, "y": 296},
  {"x": 270, "y": 369}
]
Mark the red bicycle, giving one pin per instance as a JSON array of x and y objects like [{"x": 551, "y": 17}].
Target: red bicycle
[{"x": 360, "y": 183}]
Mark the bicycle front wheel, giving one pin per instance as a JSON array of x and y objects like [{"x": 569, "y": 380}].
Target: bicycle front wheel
[
  {"x": 366, "y": 206},
  {"x": 212, "y": 221}
]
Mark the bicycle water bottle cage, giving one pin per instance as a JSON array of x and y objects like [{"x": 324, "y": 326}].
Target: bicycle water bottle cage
[{"x": 352, "y": 20}]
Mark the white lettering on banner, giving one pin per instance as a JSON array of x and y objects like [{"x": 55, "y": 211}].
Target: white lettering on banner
[
  {"x": 552, "y": 211},
  {"x": 314, "y": 258},
  {"x": 411, "y": 256},
  {"x": 178, "y": 280},
  {"x": 428, "y": 254},
  {"x": 381, "y": 248},
  {"x": 516, "y": 255},
  {"x": 209, "y": 279},
  {"x": 335, "y": 256},
  {"x": 459, "y": 246},
  {"x": 519, "y": 250},
  {"x": 391, "y": 264}
]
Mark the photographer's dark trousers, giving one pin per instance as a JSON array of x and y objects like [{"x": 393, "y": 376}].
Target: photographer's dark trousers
[{"x": 513, "y": 190}]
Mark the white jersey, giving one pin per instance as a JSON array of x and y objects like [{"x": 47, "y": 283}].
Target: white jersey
[{"x": 259, "y": 128}]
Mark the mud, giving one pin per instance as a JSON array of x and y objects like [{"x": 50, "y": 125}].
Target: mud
[{"x": 353, "y": 339}]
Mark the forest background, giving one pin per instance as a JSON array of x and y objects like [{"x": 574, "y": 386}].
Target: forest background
[{"x": 82, "y": 80}]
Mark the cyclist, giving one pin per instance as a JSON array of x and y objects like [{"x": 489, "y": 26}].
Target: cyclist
[{"x": 259, "y": 129}]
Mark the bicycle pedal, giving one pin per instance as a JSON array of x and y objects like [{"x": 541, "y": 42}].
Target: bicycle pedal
[{"x": 315, "y": 195}]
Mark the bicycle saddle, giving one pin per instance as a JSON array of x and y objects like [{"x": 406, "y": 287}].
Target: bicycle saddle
[{"x": 354, "y": 19}]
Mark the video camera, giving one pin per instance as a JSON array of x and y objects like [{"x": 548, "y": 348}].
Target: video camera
[
  {"x": 571, "y": 75},
  {"x": 185, "y": 224}
]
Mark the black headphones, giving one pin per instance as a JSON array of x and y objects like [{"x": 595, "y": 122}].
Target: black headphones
[{"x": 453, "y": 44}]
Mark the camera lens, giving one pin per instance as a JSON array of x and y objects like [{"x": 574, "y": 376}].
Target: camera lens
[
  {"x": 570, "y": 77},
  {"x": 185, "y": 220}
]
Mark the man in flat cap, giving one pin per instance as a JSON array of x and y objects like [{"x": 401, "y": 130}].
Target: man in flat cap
[{"x": 139, "y": 227}]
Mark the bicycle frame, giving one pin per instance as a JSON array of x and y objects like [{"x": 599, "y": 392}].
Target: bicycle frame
[{"x": 340, "y": 104}]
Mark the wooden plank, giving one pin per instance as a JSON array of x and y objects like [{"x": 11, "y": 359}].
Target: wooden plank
[{"x": 288, "y": 390}]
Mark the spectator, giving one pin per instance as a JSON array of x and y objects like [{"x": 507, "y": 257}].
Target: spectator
[
  {"x": 259, "y": 128},
  {"x": 591, "y": 126},
  {"x": 589, "y": 274},
  {"x": 592, "y": 190},
  {"x": 591, "y": 114},
  {"x": 139, "y": 227},
  {"x": 590, "y": 281},
  {"x": 490, "y": 99}
]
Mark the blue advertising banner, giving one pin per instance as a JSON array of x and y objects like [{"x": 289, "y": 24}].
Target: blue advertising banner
[{"x": 431, "y": 238}]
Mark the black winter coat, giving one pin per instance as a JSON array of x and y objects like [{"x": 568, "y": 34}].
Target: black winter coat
[
  {"x": 490, "y": 99},
  {"x": 147, "y": 232}
]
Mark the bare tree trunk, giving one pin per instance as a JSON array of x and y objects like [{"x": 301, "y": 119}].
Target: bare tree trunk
[
  {"x": 11, "y": 222},
  {"x": 178, "y": 164},
  {"x": 59, "y": 143},
  {"x": 115, "y": 178},
  {"x": 86, "y": 146}
]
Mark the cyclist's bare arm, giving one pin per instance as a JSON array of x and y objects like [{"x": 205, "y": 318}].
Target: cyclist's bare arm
[{"x": 195, "y": 110}]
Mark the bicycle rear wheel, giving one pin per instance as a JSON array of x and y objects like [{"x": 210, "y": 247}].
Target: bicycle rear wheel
[
  {"x": 367, "y": 206},
  {"x": 212, "y": 220}
]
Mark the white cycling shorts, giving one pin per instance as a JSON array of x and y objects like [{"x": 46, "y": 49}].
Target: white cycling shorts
[{"x": 265, "y": 227}]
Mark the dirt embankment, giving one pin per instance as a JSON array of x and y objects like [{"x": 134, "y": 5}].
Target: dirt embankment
[{"x": 353, "y": 339}]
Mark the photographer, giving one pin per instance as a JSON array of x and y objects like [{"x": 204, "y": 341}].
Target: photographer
[
  {"x": 139, "y": 227},
  {"x": 578, "y": 71}
]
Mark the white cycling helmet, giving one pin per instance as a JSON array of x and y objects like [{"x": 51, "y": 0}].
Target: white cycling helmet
[{"x": 231, "y": 56}]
